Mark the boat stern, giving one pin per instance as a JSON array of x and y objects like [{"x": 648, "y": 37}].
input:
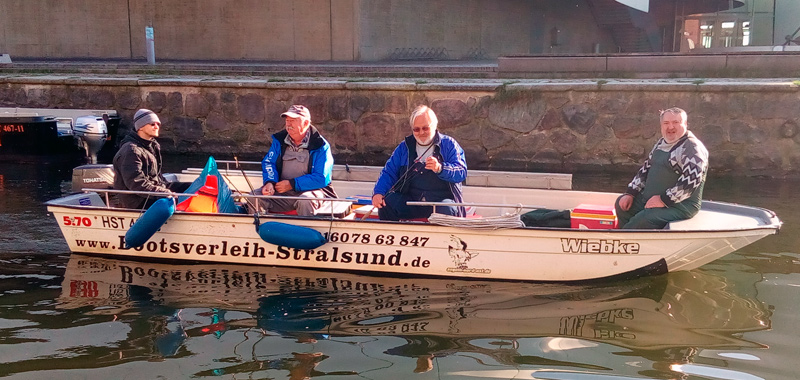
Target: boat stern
[{"x": 78, "y": 199}]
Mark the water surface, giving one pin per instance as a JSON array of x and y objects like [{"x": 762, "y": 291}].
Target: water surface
[{"x": 80, "y": 317}]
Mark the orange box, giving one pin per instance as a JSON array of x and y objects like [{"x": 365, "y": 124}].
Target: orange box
[{"x": 593, "y": 217}]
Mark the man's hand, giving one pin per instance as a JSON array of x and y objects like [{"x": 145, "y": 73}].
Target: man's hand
[
  {"x": 377, "y": 200},
  {"x": 431, "y": 163},
  {"x": 625, "y": 202},
  {"x": 655, "y": 202},
  {"x": 268, "y": 189},
  {"x": 283, "y": 186}
]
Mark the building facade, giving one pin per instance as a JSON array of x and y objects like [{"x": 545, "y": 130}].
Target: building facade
[{"x": 754, "y": 25}]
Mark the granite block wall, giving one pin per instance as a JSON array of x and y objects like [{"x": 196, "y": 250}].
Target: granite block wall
[{"x": 750, "y": 128}]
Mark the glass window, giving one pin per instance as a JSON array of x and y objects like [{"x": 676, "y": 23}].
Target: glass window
[
  {"x": 746, "y": 33},
  {"x": 706, "y": 34}
]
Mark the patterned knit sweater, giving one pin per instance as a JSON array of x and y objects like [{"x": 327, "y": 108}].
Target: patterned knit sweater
[{"x": 688, "y": 157}]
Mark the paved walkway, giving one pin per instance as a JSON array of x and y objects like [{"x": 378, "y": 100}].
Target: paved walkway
[
  {"x": 422, "y": 75},
  {"x": 450, "y": 69}
]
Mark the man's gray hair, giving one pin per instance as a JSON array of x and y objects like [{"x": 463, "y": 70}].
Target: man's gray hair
[
  {"x": 673, "y": 110},
  {"x": 423, "y": 109}
]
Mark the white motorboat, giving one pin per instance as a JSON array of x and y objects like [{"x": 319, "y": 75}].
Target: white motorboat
[{"x": 491, "y": 244}]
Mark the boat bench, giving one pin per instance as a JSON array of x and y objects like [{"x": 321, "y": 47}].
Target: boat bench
[
  {"x": 704, "y": 219},
  {"x": 338, "y": 209}
]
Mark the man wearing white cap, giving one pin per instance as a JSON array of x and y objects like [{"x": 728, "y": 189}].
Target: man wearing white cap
[
  {"x": 299, "y": 164},
  {"x": 137, "y": 164}
]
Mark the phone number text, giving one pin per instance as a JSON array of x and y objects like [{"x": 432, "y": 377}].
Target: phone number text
[{"x": 347, "y": 237}]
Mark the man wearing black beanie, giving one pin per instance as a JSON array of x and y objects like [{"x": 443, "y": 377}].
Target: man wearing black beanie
[{"x": 137, "y": 164}]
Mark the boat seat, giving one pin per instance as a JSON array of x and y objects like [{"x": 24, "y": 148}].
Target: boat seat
[
  {"x": 290, "y": 212},
  {"x": 338, "y": 209},
  {"x": 707, "y": 219}
]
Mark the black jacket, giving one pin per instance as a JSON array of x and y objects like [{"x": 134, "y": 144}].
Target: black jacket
[{"x": 137, "y": 166}]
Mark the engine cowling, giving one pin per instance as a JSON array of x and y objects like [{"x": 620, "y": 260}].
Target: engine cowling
[{"x": 92, "y": 132}]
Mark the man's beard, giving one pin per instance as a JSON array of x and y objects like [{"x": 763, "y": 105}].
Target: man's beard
[{"x": 424, "y": 142}]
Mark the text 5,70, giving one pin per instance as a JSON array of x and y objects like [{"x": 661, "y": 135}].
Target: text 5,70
[{"x": 77, "y": 221}]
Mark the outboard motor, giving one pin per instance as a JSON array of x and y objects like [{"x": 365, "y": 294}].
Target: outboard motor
[
  {"x": 92, "y": 133},
  {"x": 92, "y": 176}
]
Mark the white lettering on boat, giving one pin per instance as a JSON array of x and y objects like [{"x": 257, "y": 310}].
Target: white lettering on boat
[{"x": 599, "y": 246}]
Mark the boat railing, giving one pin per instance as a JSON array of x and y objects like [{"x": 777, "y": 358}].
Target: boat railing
[
  {"x": 518, "y": 206},
  {"x": 244, "y": 195},
  {"x": 174, "y": 196},
  {"x": 106, "y": 192},
  {"x": 228, "y": 163}
]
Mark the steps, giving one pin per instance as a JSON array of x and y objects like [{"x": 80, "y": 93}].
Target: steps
[{"x": 616, "y": 18}]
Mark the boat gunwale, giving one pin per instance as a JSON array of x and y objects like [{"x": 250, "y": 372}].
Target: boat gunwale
[{"x": 772, "y": 226}]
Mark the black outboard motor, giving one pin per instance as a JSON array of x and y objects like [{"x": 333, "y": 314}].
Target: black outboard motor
[{"x": 94, "y": 176}]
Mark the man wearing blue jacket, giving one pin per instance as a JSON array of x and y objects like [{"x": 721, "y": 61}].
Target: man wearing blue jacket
[
  {"x": 299, "y": 164},
  {"x": 426, "y": 166}
]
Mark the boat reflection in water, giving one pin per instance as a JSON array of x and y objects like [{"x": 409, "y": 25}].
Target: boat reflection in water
[{"x": 391, "y": 326}]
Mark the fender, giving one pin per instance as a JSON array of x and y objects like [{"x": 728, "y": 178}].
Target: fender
[
  {"x": 150, "y": 222},
  {"x": 289, "y": 235}
]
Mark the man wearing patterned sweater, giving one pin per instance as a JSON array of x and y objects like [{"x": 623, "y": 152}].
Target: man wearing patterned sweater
[{"x": 669, "y": 185}]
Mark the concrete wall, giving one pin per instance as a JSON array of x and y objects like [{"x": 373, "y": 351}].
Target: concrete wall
[
  {"x": 281, "y": 30},
  {"x": 289, "y": 30},
  {"x": 68, "y": 28},
  {"x": 469, "y": 28},
  {"x": 750, "y": 128}
]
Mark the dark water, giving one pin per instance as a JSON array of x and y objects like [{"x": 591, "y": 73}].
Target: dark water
[{"x": 77, "y": 317}]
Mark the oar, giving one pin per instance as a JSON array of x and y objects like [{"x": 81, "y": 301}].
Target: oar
[
  {"x": 369, "y": 213},
  {"x": 236, "y": 159}
]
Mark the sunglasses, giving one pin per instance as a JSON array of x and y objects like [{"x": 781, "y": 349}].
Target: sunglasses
[{"x": 417, "y": 129}]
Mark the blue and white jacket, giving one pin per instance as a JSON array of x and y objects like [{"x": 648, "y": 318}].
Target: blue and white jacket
[
  {"x": 320, "y": 163},
  {"x": 445, "y": 149}
]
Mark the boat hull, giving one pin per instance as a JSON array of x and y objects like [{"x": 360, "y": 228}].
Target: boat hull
[{"x": 394, "y": 248}]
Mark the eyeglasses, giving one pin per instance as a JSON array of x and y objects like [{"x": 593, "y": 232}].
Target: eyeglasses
[{"x": 417, "y": 129}]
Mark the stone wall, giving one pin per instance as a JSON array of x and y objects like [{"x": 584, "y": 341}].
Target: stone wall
[{"x": 750, "y": 128}]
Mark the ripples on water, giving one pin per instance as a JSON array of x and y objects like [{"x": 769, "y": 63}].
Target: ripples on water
[{"x": 73, "y": 316}]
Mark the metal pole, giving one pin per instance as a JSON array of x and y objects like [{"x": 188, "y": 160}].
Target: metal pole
[{"x": 151, "y": 46}]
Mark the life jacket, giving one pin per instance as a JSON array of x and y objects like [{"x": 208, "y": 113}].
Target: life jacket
[{"x": 205, "y": 200}]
